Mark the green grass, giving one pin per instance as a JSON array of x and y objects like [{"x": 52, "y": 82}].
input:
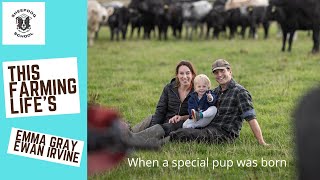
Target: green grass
[{"x": 130, "y": 75}]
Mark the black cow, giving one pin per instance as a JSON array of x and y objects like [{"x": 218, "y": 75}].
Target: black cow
[
  {"x": 169, "y": 13},
  {"x": 162, "y": 19},
  {"x": 217, "y": 19},
  {"x": 154, "y": 13},
  {"x": 244, "y": 17},
  {"x": 147, "y": 10},
  {"x": 135, "y": 21},
  {"x": 296, "y": 15},
  {"x": 118, "y": 22},
  {"x": 175, "y": 18},
  {"x": 257, "y": 16},
  {"x": 236, "y": 17}
]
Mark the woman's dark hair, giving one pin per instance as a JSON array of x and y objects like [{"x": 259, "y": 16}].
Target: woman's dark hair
[{"x": 190, "y": 66}]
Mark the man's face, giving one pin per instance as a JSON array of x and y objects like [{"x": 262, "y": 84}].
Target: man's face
[{"x": 223, "y": 76}]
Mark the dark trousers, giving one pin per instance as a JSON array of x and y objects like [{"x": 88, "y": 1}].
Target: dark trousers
[
  {"x": 208, "y": 134},
  {"x": 170, "y": 127},
  {"x": 167, "y": 127}
]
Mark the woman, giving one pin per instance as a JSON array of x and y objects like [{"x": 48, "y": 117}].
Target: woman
[{"x": 172, "y": 108}]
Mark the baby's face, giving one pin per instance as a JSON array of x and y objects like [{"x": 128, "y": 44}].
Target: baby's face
[{"x": 201, "y": 87}]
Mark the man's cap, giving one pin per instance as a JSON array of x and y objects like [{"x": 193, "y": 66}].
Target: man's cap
[{"x": 220, "y": 64}]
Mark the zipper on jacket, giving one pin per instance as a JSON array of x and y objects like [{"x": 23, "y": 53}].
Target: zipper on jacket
[
  {"x": 179, "y": 100},
  {"x": 179, "y": 108}
]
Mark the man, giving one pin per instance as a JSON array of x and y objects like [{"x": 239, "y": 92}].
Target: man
[{"x": 234, "y": 104}]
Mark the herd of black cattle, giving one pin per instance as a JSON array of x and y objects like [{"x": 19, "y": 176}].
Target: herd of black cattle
[{"x": 159, "y": 15}]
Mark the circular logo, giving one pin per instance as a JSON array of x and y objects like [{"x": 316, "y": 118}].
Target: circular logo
[{"x": 23, "y": 19}]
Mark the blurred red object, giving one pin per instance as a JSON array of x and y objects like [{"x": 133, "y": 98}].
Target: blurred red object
[
  {"x": 110, "y": 140},
  {"x": 100, "y": 157}
]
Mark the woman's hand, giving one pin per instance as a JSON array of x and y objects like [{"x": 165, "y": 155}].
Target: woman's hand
[{"x": 175, "y": 119}]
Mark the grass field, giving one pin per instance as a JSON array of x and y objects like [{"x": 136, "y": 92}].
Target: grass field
[{"x": 130, "y": 75}]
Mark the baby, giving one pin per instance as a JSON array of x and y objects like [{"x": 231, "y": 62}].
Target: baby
[{"x": 201, "y": 103}]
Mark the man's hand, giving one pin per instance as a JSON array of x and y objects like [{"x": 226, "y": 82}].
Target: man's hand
[
  {"x": 254, "y": 125},
  {"x": 263, "y": 143}
]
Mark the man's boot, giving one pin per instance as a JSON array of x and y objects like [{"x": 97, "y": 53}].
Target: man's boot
[
  {"x": 144, "y": 124},
  {"x": 150, "y": 138},
  {"x": 164, "y": 140},
  {"x": 140, "y": 141}
]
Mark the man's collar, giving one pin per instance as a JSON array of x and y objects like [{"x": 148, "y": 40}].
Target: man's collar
[{"x": 230, "y": 85}]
